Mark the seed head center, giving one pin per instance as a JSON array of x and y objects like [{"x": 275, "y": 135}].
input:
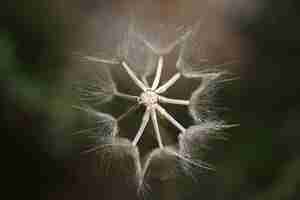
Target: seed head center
[{"x": 149, "y": 98}]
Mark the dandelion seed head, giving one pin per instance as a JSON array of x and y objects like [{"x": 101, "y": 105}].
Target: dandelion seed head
[{"x": 139, "y": 57}]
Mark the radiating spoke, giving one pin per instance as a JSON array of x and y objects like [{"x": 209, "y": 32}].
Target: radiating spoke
[
  {"x": 127, "y": 96},
  {"x": 164, "y": 113},
  {"x": 142, "y": 127},
  {"x": 95, "y": 59},
  {"x": 158, "y": 73},
  {"x": 168, "y": 84},
  {"x": 173, "y": 101},
  {"x": 156, "y": 129},
  {"x": 134, "y": 77},
  {"x": 145, "y": 81}
]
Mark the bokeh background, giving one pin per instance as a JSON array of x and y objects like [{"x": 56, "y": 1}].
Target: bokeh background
[{"x": 40, "y": 159}]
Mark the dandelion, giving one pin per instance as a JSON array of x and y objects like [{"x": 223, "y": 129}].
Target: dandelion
[{"x": 152, "y": 97}]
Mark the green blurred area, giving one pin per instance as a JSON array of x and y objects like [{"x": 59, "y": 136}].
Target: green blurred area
[{"x": 259, "y": 161}]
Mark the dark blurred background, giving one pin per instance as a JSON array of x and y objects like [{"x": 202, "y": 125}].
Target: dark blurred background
[{"x": 260, "y": 160}]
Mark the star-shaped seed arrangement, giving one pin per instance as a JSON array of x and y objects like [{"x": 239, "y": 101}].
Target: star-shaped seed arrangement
[
  {"x": 192, "y": 140},
  {"x": 151, "y": 98}
]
